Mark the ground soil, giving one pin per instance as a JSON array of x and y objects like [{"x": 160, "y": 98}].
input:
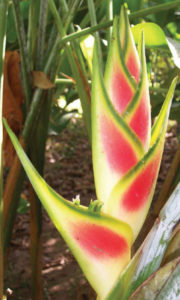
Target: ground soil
[{"x": 68, "y": 170}]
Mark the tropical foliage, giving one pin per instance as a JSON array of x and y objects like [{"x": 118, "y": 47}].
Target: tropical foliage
[{"x": 126, "y": 151}]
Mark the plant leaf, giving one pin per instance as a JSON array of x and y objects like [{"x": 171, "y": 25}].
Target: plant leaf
[
  {"x": 154, "y": 35},
  {"x": 173, "y": 250},
  {"x": 154, "y": 285},
  {"x": 100, "y": 244},
  {"x": 87, "y": 45},
  {"x": 164, "y": 113},
  {"x": 41, "y": 80},
  {"x": 171, "y": 289},
  {"x": 149, "y": 256},
  {"x": 155, "y": 38}
]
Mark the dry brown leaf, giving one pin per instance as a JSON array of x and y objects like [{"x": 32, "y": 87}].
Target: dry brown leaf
[
  {"x": 12, "y": 101},
  {"x": 41, "y": 80}
]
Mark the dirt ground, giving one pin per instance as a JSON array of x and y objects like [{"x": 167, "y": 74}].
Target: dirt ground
[{"x": 68, "y": 170}]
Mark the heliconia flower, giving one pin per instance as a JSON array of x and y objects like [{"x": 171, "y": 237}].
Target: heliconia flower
[
  {"x": 101, "y": 244},
  {"x": 126, "y": 79},
  {"x": 126, "y": 159},
  {"x": 131, "y": 197},
  {"x": 126, "y": 154},
  {"x": 121, "y": 133}
]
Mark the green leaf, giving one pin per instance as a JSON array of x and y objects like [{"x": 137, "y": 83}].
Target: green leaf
[
  {"x": 134, "y": 5},
  {"x": 149, "y": 256},
  {"x": 171, "y": 289},
  {"x": 11, "y": 32},
  {"x": 154, "y": 286},
  {"x": 155, "y": 38},
  {"x": 163, "y": 116},
  {"x": 87, "y": 46},
  {"x": 23, "y": 206},
  {"x": 173, "y": 250},
  {"x": 154, "y": 35},
  {"x": 59, "y": 120}
]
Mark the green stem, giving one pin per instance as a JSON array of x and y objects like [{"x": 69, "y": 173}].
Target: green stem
[
  {"x": 51, "y": 42},
  {"x": 32, "y": 29},
  {"x": 94, "y": 23},
  {"x": 138, "y": 14},
  {"x": 3, "y": 21},
  {"x": 83, "y": 32},
  {"x": 56, "y": 16},
  {"x": 86, "y": 18},
  {"x": 16, "y": 172},
  {"x": 61, "y": 81},
  {"x": 38, "y": 94},
  {"x": 154, "y": 9},
  {"x": 32, "y": 113},
  {"x": 37, "y": 156},
  {"x": 70, "y": 12},
  {"x": 79, "y": 77},
  {"x": 23, "y": 51},
  {"x": 41, "y": 34},
  {"x": 64, "y": 81},
  {"x": 69, "y": 25},
  {"x": 162, "y": 90},
  {"x": 36, "y": 151},
  {"x": 109, "y": 17}
]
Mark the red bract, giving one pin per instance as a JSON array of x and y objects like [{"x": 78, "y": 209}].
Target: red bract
[
  {"x": 126, "y": 160},
  {"x": 121, "y": 157},
  {"x": 126, "y": 156},
  {"x": 97, "y": 241}
]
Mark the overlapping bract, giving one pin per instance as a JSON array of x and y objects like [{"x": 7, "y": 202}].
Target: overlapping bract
[
  {"x": 126, "y": 154},
  {"x": 101, "y": 244},
  {"x": 126, "y": 160}
]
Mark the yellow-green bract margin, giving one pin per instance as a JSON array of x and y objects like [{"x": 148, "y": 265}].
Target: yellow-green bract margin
[{"x": 65, "y": 215}]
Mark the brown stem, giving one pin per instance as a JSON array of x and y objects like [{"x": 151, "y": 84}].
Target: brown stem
[
  {"x": 11, "y": 182},
  {"x": 36, "y": 247},
  {"x": 11, "y": 197}
]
